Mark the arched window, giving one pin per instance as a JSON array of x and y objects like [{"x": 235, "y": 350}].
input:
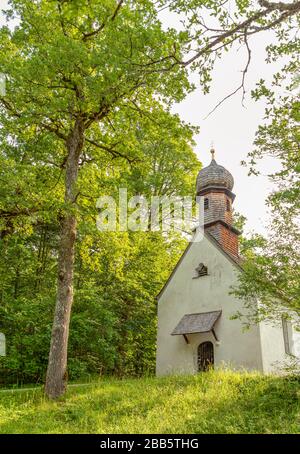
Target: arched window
[
  {"x": 228, "y": 207},
  {"x": 205, "y": 356},
  {"x": 206, "y": 203}
]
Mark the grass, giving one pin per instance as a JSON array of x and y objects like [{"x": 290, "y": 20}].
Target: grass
[{"x": 213, "y": 402}]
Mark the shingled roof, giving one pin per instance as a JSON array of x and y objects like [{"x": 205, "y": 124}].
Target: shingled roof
[
  {"x": 202, "y": 322},
  {"x": 214, "y": 175}
]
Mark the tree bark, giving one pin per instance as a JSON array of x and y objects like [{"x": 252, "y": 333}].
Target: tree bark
[{"x": 56, "y": 379}]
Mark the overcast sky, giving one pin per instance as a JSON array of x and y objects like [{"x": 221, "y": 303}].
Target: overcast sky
[{"x": 231, "y": 127}]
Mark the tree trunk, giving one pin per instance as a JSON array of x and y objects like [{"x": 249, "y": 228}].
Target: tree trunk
[{"x": 56, "y": 380}]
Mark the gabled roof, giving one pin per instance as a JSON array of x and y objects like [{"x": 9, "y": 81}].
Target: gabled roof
[{"x": 234, "y": 260}]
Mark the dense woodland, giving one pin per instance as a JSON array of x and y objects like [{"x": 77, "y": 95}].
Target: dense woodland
[
  {"x": 87, "y": 110},
  {"x": 117, "y": 274}
]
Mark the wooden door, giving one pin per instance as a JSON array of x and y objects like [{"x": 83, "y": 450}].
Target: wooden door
[{"x": 205, "y": 356}]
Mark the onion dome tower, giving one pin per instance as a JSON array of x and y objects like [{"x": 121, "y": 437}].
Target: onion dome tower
[{"x": 215, "y": 184}]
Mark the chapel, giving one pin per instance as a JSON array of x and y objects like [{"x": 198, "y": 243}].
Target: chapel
[{"x": 196, "y": 325}]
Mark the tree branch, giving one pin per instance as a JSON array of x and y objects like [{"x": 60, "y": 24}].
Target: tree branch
[
  {"x": 242, "y": 84},
  {"x": 288, "y": 9},
  {"x": 115, "y": 153},
  {"x": 86, "y": 36}
]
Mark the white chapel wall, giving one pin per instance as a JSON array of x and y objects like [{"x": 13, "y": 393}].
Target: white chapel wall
[{"x": 183, "y": 295}]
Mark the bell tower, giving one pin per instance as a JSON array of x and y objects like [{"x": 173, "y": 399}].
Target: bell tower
[{"x": 215, "y": 184}]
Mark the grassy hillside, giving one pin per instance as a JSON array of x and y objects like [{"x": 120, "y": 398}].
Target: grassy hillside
[{"x": 214, "y": 402}]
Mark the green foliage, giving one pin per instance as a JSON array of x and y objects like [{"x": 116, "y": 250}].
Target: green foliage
[
  {"x": 117, "y": 274},
  {"x": 211, "y": 402},
  {"x": 116, "y": 71},
  {"x": 248, "y": 244},
  {"x": 271, "y": 271},
  {"x": 113, "y": 326},
  {"x": 90, "y": 62}
]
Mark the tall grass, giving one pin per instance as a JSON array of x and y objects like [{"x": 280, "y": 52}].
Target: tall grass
[{"x": 212, "y": 402}]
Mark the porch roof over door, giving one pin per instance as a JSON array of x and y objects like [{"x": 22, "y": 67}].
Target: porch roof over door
[{"x": 202, "y": 322}]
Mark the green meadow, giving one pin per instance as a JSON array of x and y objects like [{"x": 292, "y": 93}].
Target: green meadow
[{"x": 212, "y": 402}]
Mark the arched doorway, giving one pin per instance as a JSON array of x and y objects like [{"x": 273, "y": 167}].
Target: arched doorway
[{"x": 205, "y": 356}]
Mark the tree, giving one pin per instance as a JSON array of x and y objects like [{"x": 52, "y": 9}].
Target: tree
[
  {"x": 117, "y": 275},
  {"x": 79, "y": 73},
  {"x": 57, "y": 65},
  {"x": 271, "y": 270}
]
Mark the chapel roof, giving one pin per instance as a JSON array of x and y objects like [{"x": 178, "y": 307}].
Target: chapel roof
[{"x": 214, "y": 175}]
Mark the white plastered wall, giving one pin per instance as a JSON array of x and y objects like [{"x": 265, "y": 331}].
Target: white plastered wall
[{"x": 185, "y": 295}]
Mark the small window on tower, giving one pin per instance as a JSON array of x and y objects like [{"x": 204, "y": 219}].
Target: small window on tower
[
  {"x": 206, "y": 204},
  {"x": 228, "y": 205}
]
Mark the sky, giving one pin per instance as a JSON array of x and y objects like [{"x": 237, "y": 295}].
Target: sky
[{"x": 232, "y": 126}]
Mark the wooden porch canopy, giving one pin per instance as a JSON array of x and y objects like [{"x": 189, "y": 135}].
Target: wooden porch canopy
[{"x": 202, "y": 322}]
